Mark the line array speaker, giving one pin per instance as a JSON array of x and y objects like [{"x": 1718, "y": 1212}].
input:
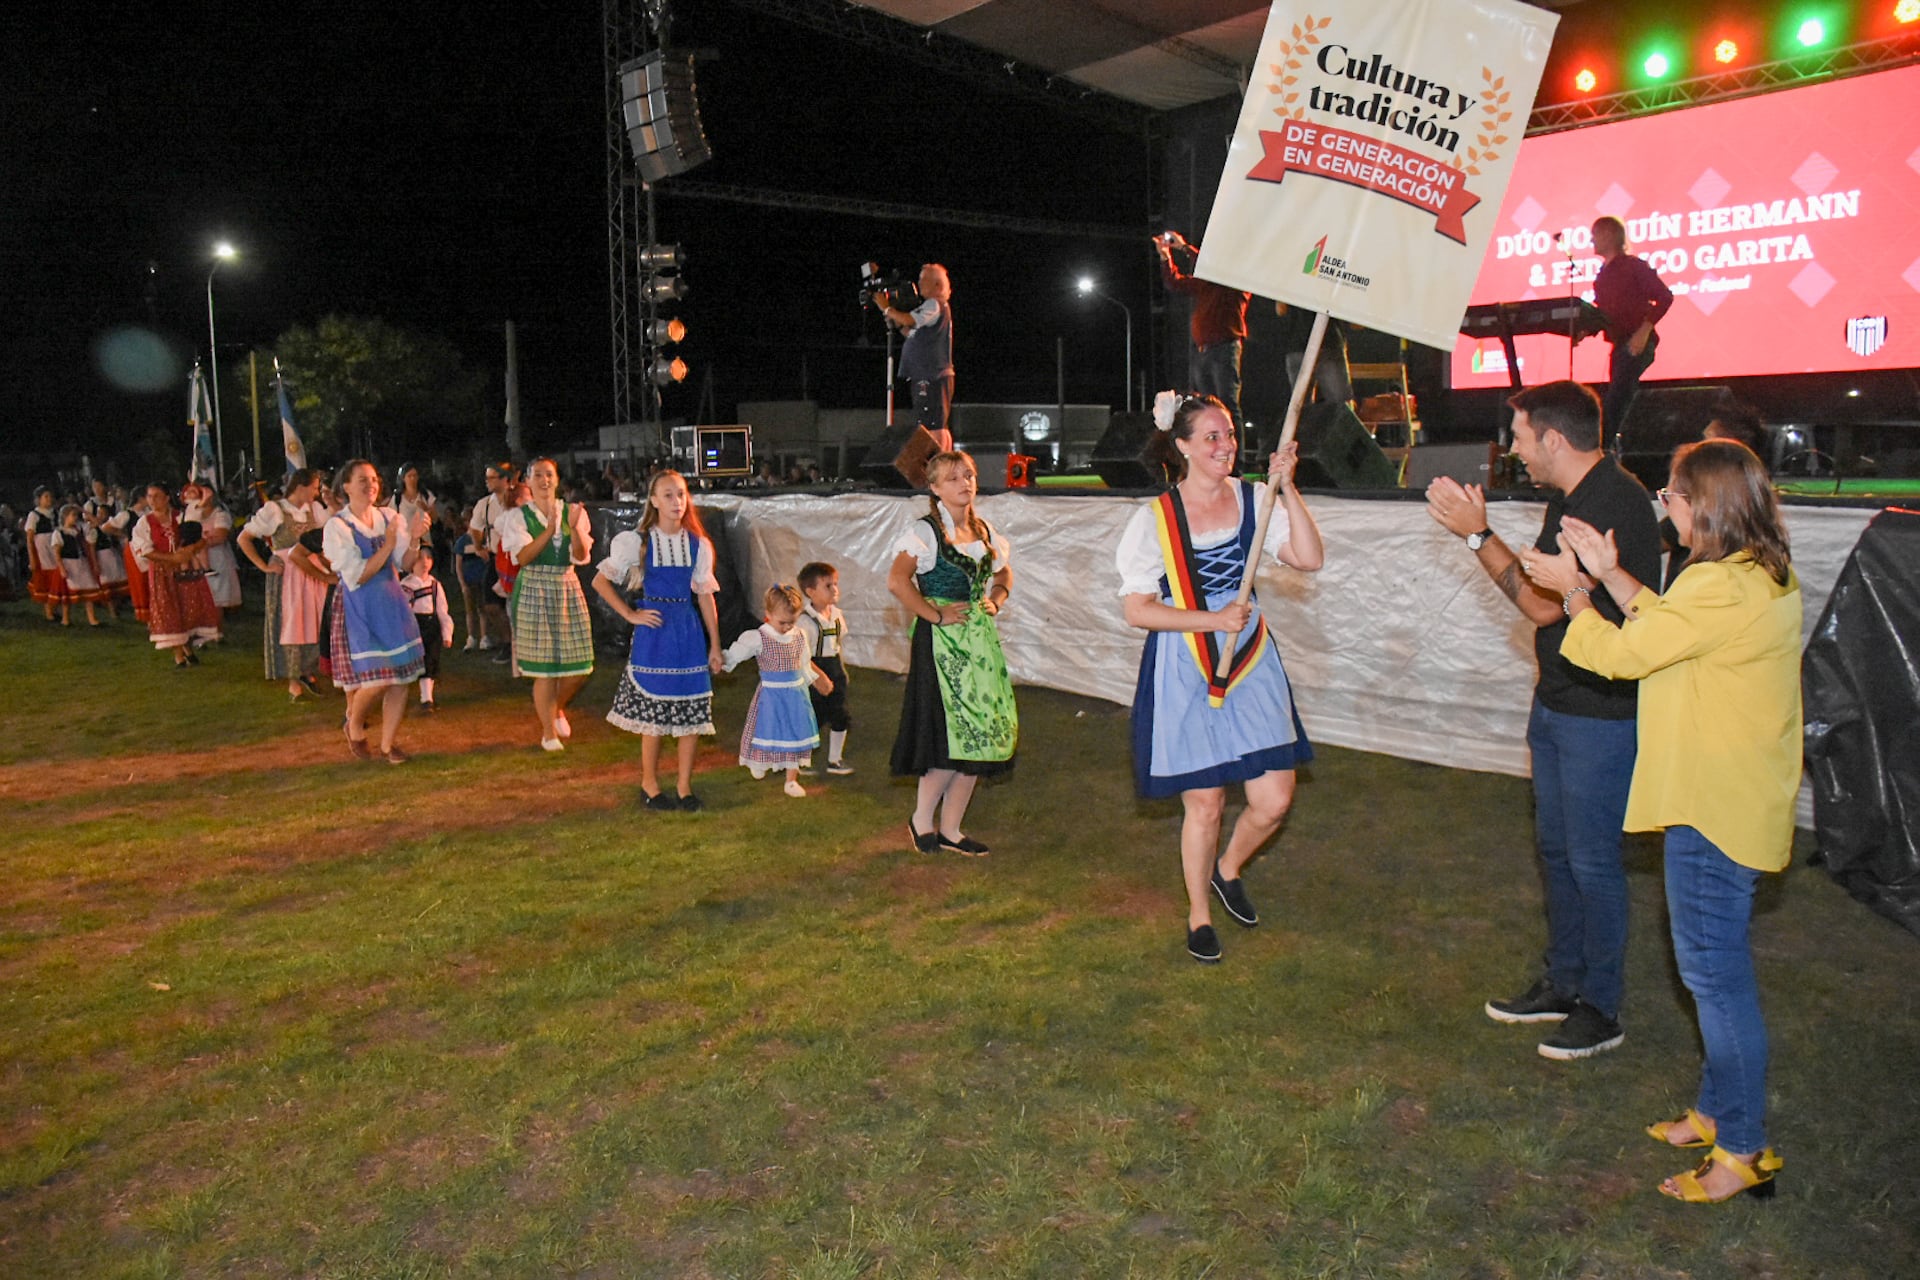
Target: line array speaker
[{"x": 662, "y": 115}]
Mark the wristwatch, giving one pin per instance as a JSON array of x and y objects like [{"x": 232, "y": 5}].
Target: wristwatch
[{"x": 1475, "y": 541}]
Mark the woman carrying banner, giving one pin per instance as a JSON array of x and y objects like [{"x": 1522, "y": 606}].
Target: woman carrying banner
[
  {"x": 1181, "y": 560},
  {"x": 1718, "y": 661}
]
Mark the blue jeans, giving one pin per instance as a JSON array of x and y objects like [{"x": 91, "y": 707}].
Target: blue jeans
[
  {"x": 1710, "y": 901},
  {"x": 1581, "y": 770},
  {"x": 1216, "y": 372}
]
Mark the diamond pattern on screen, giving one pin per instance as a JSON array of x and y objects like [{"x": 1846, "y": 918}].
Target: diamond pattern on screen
[
  {"x": 1815, "y": 174},
  {"x": 1704, "y": 300},
  {"x": 1913, "y": 161},
  {"x": 1615, "y": 201},
  {"x": 1912, "y": 276},
  {"x": 1811, "y": 284},
  {"x": 1708, "y": 190},
  {"x": 1530, "y": 214}
]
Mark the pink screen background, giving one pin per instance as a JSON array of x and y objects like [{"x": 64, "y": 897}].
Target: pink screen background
[{"x": 1817, "y": 142}]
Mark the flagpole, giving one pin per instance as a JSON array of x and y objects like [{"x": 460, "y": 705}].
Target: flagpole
[
  {"x": 1271, "y": 489},
  {"x": 253, "y": 395}
]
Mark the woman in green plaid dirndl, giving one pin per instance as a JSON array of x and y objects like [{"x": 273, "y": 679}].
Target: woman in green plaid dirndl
[{"x": 552, "y": 631}]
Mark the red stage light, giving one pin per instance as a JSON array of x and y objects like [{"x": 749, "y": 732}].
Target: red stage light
[
  {"x": 1726, "y": 51},
  {"x": 1585, "y": 81}
]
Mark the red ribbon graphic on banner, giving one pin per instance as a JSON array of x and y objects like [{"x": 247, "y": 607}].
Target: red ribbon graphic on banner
[{"x": 1360, "y": 161}]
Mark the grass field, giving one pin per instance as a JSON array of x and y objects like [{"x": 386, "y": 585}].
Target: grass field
[{"x": 267, "y": 1012}]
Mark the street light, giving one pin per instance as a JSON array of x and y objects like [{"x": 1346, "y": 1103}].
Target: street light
[
  {"x": 222, "y": 252},
  {"x": 1088, "y": 287}
]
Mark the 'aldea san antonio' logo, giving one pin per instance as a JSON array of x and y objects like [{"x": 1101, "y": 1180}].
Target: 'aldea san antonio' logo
[{"x": 1429, "y": 171}]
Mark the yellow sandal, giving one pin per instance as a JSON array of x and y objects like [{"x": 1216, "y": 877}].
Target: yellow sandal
[
  {"x": 1703, "y": 1128},
  {"x": 1756, "y": 1177}
]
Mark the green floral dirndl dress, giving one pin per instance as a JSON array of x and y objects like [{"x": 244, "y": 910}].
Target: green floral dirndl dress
[{"x": 958, "y": 712}]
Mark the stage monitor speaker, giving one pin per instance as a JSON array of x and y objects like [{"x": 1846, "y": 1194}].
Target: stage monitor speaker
[
  {"x": 1467, "y": 463},
  {"x": 659, "y": 107},
  {"x": 1337, "y": 453},
  {"x": 898, "y": 458},
  {"x": 1660, "y": 420},
  {"x": 1119, "y": 457}
]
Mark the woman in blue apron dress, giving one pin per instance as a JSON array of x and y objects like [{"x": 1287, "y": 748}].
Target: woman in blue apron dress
[
  {"x": 376, "y": 649},
  {"x": 1194, "y": 732}
]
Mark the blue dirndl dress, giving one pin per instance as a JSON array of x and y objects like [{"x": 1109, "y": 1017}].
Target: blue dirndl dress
[
  {"x": 667, "y": 689},
  {"x": 375, "y": 639},
  {"x": 1180, "y": 741},
  {"x": 780, "y": 731}
]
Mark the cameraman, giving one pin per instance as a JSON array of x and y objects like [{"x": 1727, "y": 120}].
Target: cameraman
[
  {"x": 926, "y": 357},
  {"x": 1219, "y": 325}
]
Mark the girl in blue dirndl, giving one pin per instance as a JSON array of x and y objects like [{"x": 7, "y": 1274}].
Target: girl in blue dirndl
[
  {"x": 659, "y": 577},
  {"x": 1180, "y": 563},
  {"x": 376, "y": 646}
]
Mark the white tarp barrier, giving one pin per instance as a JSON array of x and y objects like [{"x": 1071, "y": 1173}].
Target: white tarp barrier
[{"x": 1402, "y": 644}]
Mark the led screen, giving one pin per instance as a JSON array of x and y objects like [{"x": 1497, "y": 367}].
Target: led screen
[{"x": 1787, "y": 226}]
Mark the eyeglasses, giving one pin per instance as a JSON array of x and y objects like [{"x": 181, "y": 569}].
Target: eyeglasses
[{"x": 1667, "y": 496}]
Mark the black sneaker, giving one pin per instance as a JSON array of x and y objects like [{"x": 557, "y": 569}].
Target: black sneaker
[
  {"x": 1586, "y": 1032},
  {"x": 1233, "y": 896},
  {"x": 1542, "y": 1002},
  {"x": 1203, "y": 944}
]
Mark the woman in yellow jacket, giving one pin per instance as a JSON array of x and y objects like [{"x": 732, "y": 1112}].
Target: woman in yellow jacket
[{"x": 1718, "y": 660}]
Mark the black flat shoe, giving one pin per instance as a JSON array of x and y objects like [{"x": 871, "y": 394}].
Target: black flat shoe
[
  {"x": 1233, "y": 896},
  {"x": 691, "y": 803},
  {"x": 966, "y": 846},
  {"x": 1203, "y": 944},
  {"x": 927, "y": 843},
  {"x": 661, "y": 802}
]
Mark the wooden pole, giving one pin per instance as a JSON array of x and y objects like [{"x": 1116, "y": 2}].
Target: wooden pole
[{"x": 1272, "y": 487}]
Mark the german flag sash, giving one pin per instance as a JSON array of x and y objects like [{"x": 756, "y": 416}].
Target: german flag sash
[{"x": 1183, "y": 583}]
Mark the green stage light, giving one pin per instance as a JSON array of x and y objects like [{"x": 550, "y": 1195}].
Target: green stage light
[
  {"x": 1657, "y": 65},
  {"x": 1811, "y": 33}
]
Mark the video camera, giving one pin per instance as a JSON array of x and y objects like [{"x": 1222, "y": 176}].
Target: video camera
[{"x": 897, "y": 289}]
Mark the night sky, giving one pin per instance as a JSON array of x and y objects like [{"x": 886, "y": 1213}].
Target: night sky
[{"x": 442, "y": 167}]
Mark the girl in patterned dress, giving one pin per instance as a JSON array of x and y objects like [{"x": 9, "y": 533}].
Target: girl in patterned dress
[
  {"x": 958, "y": 722},
  {"x": 659, "y": 577},
  {"x": 780, "y": 732},
  {"x": 42, "y": 527},
  {"x": 296, "y": 592},
  {"x": 552, "y": 632},
  {"x": 1180, "y": 563}
]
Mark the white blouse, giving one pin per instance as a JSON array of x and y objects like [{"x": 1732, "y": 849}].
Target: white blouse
[
  {"x": 343, "y": 553},
  {"x": 918, "y": 542},
  {"x": 1138, "y": 557},
  {"x": 515, "y": 537},
  {"x": 264, "y": 522},
  {"x": 626, "y": 563}
]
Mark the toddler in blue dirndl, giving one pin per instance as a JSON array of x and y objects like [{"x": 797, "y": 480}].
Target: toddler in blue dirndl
[{"x": 780, "y": 732}]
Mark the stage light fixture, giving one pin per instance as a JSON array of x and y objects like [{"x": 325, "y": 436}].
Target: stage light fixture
[
  {"x": 1726, "y": 51},
  {"x": 659, "y": 257},
  {"x": 1585, "y": 81},
  {"x": 666, "y": 288},
  {"x": 665, "y": 332},
  {"x": 1811, "y": 33},
  {"x": 666, "y": 371},
  {"x": 1657, "y": 65},
  {"x": 1907, "y": 11}
]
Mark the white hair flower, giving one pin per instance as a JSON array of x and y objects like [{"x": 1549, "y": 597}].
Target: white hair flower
[{"x": 1165, "y": 405}]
